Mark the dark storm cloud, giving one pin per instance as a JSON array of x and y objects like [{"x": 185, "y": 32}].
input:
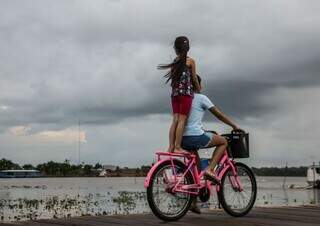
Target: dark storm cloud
[
  {"x": 245, "y": 97},
  {"x": 97, "y": 62}
]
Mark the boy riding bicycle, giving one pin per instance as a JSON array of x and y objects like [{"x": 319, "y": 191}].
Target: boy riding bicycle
[{"x": 195, "y": 137}]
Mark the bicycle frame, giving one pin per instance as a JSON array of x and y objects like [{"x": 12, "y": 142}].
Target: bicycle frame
[{"x": 189, "y": 160}]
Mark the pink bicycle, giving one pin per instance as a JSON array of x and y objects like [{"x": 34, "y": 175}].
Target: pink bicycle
[{"x": 175, "y": 181}]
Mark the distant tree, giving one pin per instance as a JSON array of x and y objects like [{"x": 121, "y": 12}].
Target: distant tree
[
  {"x": 275, "y": 171},
  {"x": 138, "y": 172},
  {"x": 76, "y": 170},
  {"x": 65, "y": 168},
  {"x": 97, "y": 166},
  {"x": 8, "y": 165},
  {"x": 118, "y": 171},
  {"x": 41, "y": 167},
  {"x": 28, "y": 167},
  {"x": 87, "y": 170},
  {"x": 145, "y": 169},
  {"x": 52, "y": 168}
]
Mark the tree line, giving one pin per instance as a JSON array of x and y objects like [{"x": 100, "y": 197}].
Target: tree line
[
  {"x": 284, "y": 171},
  {"x": 66, "y": 169}
]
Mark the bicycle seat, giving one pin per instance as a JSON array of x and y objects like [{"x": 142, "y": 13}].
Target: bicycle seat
[
  {"x": 211, "y": 131},
  {"x": 184, "y": 154}
]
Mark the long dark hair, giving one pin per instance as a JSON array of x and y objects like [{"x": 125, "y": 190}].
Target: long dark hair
[{"x": 181, "y": 46}]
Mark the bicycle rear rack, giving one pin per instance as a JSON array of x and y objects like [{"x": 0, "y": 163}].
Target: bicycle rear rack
[{"x": 169, "y": 155}]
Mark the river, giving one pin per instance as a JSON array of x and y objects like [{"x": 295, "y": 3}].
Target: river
[{"x": 36, "y": 198}]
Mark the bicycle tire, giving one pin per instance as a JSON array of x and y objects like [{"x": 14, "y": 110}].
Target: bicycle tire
[
  {"x": 150, "y": 198},
  {"x": 222, "y": 198}
]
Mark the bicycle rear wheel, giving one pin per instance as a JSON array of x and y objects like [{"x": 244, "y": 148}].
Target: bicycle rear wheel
[
  {"x": 235, "y": 202},
  {"x": 165, "y": 204}
]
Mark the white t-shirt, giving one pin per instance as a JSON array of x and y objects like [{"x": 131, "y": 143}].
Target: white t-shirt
[{"x": 200, "y": 104}]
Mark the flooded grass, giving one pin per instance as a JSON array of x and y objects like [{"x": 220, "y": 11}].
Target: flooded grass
[{"x": 123, "y": 202}]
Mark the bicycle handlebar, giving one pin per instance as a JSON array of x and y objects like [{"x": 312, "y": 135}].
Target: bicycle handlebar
[
  {"x": 238, "y": 131},
  {"x": 232, "y": 131}
]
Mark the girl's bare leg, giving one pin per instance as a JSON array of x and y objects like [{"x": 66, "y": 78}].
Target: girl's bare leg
[
  {"x": 172, "y": 132},
  {"x": 182, "y": 119}
]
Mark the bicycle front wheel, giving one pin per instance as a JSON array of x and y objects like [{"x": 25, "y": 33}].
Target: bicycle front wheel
[
  {"x": 238, "y": 202},
  {"x": 164, "y": 203}
]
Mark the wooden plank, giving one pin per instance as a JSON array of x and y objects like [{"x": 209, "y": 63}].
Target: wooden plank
[
  {"x": 284, "y": 216},
  {"x": 33, "y": 223},
  {"x": 274, "y": 219},
  {"x": 83, "y": 222},
  {"x": 288, "y": 213}
]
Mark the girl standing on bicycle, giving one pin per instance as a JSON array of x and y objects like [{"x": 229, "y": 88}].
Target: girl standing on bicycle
[{"x": 184, "y": 82}]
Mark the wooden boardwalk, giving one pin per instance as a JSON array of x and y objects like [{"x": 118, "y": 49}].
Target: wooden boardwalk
[{"x": 281, "y": 216}]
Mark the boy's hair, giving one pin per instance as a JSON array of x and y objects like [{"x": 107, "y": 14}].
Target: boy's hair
[
  {"x": 199, "y": 79},
  {"x": 181, "y": 47}
]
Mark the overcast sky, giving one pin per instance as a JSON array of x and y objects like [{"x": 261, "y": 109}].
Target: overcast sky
[{"x": 95, "y": 61}]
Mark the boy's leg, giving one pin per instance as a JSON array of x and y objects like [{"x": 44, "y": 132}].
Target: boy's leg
[
  {"x": 172, "y": 132},
  {"x": 221, "y": 144},
  {"x": 194, "y": 208}
]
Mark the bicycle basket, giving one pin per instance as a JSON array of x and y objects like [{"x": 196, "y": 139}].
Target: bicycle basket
[{"x": 238, "y": 146}]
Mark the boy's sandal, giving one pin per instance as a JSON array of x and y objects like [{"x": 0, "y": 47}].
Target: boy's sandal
[
  {"x": 195, "y": 209},
  {"x": 212, "y": 178}
]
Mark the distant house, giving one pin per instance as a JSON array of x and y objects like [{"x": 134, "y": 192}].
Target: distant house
[
  {"x": 19, "y": 173},
  {"x": 109, "y": 167},
  {"x": 107, "y": 170}
]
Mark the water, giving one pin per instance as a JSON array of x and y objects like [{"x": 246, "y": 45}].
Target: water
[
  {"x": 272, "y": 193},
  {"x": 35, "y": 198}
]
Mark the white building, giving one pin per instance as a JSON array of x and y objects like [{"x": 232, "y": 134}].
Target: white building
[
  {"x": 106, "y": 169},
  {"x": 313, "y": 175}
]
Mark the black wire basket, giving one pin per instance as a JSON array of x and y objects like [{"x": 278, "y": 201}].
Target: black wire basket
[{"x": 238, "y": 144}]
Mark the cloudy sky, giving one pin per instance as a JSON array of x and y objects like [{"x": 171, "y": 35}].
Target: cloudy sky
[{"x": 95, "y": 61}]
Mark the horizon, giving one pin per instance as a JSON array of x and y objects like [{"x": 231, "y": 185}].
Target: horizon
[{"x": 146, "y": 164}]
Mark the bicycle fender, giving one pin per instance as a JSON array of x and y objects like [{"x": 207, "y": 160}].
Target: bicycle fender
[{"x": 153, "y": 168}]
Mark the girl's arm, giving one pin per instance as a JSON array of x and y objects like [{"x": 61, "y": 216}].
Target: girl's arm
[{"x": 194, "y": 75}]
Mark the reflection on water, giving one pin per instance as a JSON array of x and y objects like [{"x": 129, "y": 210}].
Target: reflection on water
[
  {"x": 314, "y": 196},
  {"x": 36, "y": 198}
]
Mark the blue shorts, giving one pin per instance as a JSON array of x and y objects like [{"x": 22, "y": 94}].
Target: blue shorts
[{"x": 192, "y": 143}]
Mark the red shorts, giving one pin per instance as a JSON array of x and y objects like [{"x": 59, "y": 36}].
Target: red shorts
[{"x": 181, "y": 104}]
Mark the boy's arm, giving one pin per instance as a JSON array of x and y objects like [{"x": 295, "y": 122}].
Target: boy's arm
[
  {"x": 194, "y": 76},
  {"x": 222, "y": 117}
]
